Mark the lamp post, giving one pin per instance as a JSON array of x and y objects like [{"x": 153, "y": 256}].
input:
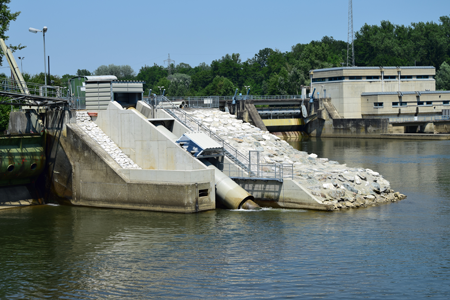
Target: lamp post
[
  {"x": 44, "y": 30},
  {"x": 21, "y": 65},
  {"x": 160, "y": 88},
  {"x": 247, "y": 87}
]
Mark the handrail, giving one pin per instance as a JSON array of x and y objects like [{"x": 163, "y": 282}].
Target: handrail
[
  {"x": 285, "y": 170},
  {"x": 243, "y": 97}
]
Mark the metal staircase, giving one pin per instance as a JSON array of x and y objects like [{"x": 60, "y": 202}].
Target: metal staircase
[
  {"x": 232, "y": 153},
  {"x": 253, "y": 169}
]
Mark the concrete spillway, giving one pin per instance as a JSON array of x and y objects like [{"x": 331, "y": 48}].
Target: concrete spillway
[
  {"x": 228, "y": 193},
  {"x": 88, "y": 167},
  {"x": 162, "y": 176}
]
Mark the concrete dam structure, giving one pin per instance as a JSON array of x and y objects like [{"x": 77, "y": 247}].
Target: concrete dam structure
[{"x": 147, "y": 158}]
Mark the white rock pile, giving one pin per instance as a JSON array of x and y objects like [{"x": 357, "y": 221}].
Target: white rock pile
[
  {"x": 332, "y": 183},
  {"x": 91, "y": 129}
]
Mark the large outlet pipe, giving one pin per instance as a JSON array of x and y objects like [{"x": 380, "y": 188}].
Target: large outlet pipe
[{"x": 229, "y": 193}]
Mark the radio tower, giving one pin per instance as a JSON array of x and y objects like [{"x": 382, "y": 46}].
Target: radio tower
[
  {"x": 350, "y": 57},
  {"x": 169, "y": 64}
]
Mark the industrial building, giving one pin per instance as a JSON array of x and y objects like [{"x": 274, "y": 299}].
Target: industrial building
[
  {"x": 373, "y": 92},
  {"x": 98, "y": 91}
]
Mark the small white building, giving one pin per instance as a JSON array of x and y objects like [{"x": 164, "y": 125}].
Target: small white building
[
  {"x": 358, "y": 92},
  {"x": 100, "y": 90}
]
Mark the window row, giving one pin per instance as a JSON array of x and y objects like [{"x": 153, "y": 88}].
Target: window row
[
  {"x": 406, "y": 77},
  {"x": 403, "y": 104}
]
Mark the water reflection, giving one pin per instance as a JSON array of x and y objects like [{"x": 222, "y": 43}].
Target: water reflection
[{"x": 397, "y": 251}]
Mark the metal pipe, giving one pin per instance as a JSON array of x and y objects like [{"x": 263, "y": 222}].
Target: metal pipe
[{"x": 229, "y": 193}]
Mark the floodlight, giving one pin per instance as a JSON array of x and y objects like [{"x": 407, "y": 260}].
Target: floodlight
[{"x": 34, "y": 30}]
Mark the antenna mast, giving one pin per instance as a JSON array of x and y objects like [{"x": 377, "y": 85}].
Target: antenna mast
[
  {"x": 169, "y": 64},
  {"x": 350, "y": 36}
]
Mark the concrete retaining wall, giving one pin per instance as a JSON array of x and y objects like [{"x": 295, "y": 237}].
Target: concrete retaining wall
[
  {"x": 142, "y": 142},
  {"x": 286, "y": 194},
  {"x": 81, "y": 172},
  {"x": 97, "y": 180}
]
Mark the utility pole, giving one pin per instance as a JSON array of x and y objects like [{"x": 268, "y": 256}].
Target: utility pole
[
  {"x": 169, "y": 64},
  {"x": 350, "y": 38}
]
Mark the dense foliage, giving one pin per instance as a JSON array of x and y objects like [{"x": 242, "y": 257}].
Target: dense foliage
[{"x": 272, "y": 72}]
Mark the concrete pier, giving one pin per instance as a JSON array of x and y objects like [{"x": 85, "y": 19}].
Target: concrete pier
[{"x": 83, "y": 173}]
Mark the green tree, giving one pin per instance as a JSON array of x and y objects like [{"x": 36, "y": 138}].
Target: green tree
[
  {"x": 161, "y": 82},
  {"x": 121, "y": 72},
  {"x": 6, "y": 16},
  {"x": 430, "y": 44},
  {"x": 151, "y": 76},
  {"x": 179, "y": 84},
  {"x": 4, "y": 116},
  {"x": 83, "y": 72},
  {"x": 443, "y": 77},
  {"x": 200, "y": 80},
  {"x": 228, "y": 66},
  {"x": 220, "y": 86},
  {"x": 384, "y": 45}
]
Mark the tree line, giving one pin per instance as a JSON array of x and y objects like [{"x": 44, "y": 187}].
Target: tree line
[{"x": 272, "y": 72}]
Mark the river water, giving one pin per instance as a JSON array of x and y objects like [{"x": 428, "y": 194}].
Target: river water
[{"x": 393, "y": 251}]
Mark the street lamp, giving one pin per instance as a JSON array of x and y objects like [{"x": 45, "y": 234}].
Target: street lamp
[
  {"x": 247, "y": 87},
  {"x": 21, "y": 66},
  {"x": 44, "y": 30},
  {"x": 160, "y": 88}
]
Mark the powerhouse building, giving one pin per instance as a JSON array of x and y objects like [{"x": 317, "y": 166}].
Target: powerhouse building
[{"x": 371, "y": 92}]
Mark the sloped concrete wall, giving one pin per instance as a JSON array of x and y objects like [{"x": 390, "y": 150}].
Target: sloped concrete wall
[
  {"x": 142, "y": 142},
  {"x": 97, "y": 180},
  {"x": 286, "y": 194}
]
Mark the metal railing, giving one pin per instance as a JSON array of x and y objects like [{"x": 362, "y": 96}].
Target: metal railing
[
  {"x": 14, "y": 86},
  {"x": 249, "y": 165},
  {"x": 419, "y": 119},
  {"x": 243, "y": 97},
  {"x": 261, "y": 171}
]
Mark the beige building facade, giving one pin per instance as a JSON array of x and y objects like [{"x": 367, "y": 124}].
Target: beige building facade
[{"x": 361, "y": 92}]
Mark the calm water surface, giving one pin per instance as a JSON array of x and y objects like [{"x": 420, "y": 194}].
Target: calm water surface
[{"x": 395, "y": 251}]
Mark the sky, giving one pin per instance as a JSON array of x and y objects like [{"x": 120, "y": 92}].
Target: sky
[{"x": 86, "y": 34}]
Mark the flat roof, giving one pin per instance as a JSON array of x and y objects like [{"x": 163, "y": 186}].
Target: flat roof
[
  {"x": 404, "y": 93},
  {"x": 101, "y": 78},
  {"x": 371, "y": 68}
]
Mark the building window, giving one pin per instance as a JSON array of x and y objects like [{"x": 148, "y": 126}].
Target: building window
[
  {"x": 335, "y": 78},
  {"x": 394, "y": 104},
  {"x": 378, "y": 104},
  {"x": 319, "y": 79},
  {"x": 373, "y": 77},
  {"x": 420, "y": 103},
  {"x": 428, "y": 103},
  {"x": 403, "y": 104},
  {"x": 422, "y": 76},
  {"x": 355, "y": 78},
  {"x": 405, "y": 77},
  {"x": 446, "y": 102},
  {"x": 390, "y": 77}
]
